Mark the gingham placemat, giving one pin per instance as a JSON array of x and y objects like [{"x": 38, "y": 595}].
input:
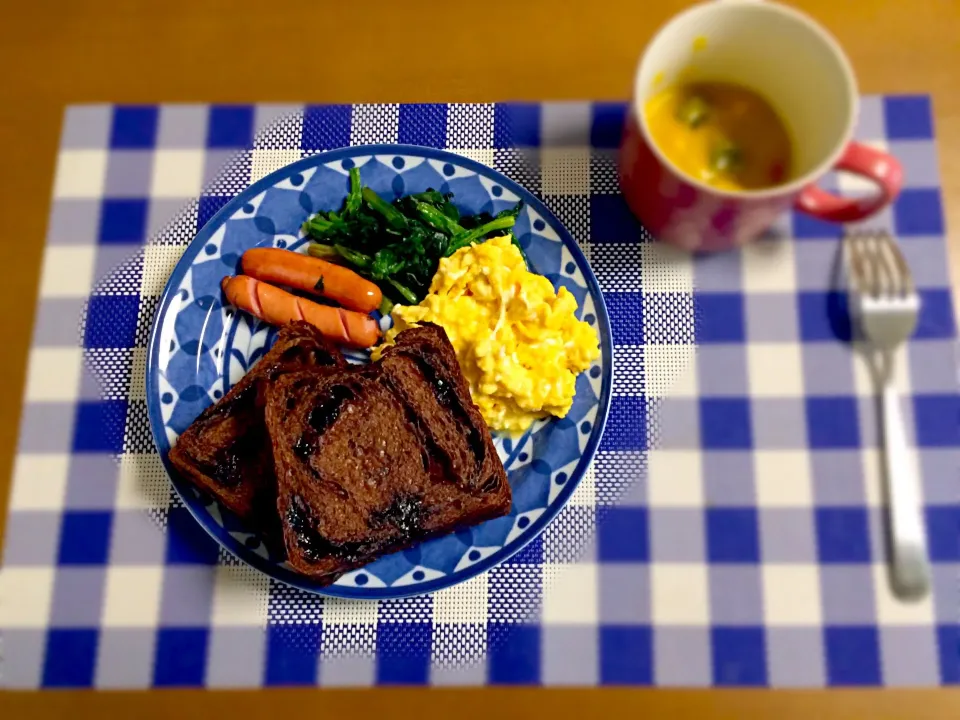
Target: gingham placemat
[{"x": 751, "y": 551}]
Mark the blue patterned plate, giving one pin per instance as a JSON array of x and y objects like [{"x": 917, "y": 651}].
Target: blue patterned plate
[{"x": 199, "y": 349}]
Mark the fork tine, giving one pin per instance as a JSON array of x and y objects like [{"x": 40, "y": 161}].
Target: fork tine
[
  {"x": 888, "y": 281},
  {"x": 903, "y": 283},
  {"x": 862, "y": 262}
]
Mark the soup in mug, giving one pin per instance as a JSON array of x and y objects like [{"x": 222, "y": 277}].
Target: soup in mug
[{"x": 722, "y": 134}]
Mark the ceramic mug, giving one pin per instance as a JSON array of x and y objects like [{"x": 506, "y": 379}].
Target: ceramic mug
[{"x": 800, "y": 69}]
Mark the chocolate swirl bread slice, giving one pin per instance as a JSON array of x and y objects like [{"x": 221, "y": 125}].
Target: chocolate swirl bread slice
[
  {"x": 376, "y": 459},
  {"x": 226, "y": 452}
]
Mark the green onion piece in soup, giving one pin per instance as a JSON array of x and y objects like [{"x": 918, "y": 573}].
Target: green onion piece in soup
[
  {"x": 726, "y": 158},
  {"x": 693, "y": 111}
]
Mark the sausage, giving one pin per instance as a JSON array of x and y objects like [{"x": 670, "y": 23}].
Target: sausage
[
  {"x": 303, "y": 272},
  {"x": 278, "y": 307}
]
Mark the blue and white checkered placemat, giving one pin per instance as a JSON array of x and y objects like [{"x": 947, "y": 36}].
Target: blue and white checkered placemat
[{"x": 747, "y": 550}]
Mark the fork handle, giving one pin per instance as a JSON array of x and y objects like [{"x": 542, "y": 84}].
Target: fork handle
[{"x": 910, "y": 567}]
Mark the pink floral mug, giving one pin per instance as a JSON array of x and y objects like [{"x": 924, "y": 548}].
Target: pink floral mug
[{"x": 801, "y": 70}]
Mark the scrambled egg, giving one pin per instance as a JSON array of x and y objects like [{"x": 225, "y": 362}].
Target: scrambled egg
[{"x": 519, "y": 344}]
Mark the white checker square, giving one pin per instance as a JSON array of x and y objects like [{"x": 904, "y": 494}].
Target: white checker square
[
  {"x": 791, "y": 595},
  {"x": 143, "y": 482},
  {"x": 775, "y": 369},
  {"x": 138, "y": 375},
  {"x": 371, "y": 124},
  {"x": 670, "y": 370},
  {"x": 470, "y": 125},
  {"x": 177, "y": 173},
  {"x": 566, "y": 171},
  {"x": 241, "y": 596},
  {"x": 565, "y": 123},
  {"x": 67, "y": 272},
  {"x": 53, "y": 374},
  {"x": 585, "y": 494},
  {"x": 132, "y": 596},
  {"x": 674, "y": 478},
  {"x": 769, "y": 266},
  {"x": 893, "y": 611},
  {"x": 80, "y": 174},
  {"x": 340, "y": 611},
  {"x": 484, "y": 156},
  {"x": 665, "y": 268},
  {"x": 264, "y": 162},
  {"x": 570, "y": 594},
  {"x": 851, "y": 184},
  {"x": 25, "y": 596},
  {"x": 464, "y": 603},
  {"x": 679, "y": 594},
  {"x": 39, "y": 481},
  {"x": 783, "y": 478},
  {"x": 158, "y": 264}
]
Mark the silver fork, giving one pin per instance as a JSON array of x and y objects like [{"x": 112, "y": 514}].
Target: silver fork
[{"x": 886, "y": 305}]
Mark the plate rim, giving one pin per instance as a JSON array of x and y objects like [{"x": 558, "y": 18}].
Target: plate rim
[{"x": 275, "y": 570}]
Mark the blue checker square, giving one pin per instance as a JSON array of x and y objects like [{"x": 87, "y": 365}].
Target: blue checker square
[
  {"x": 626, "y": 655},
  {"x": 623, "y": 535},
  {"x": 948, "y": 648},
  {"x": 70, "y": 658},
  {"x": 513, "y": 654},
  {"x": 937, "y": 420},
  {"x": 209, "y": 206},
  {"x": 918, "y": 212},
  {"x": 625, "y": 310},
  {"x": 423, "y": 124},
  {"x": 230, "y": 126},
  {"x": 516, "y": 125},
  {"x": 806, "y": 227},
  {"x": 612, "y": 222},
  {"x": 412, "y": 666},
  {"x": 134, "y": 127},
  {"x": 843, "y": 535},
  {"x": 99, "y": 426},
  {"x": 824, "y": 316},
  {"x": 908, "y": 117},
  {"x": 606, "y": 125},
  {"x": 531, "y": 553},
  {"x": 111, "y": 321},
  {"x": 720, "y": 317},
  {"x": 292, "y": 653},
  {"x": 832, "y": 422},
  {"x": 180, "y": 657},
  {"x": 936, "y": 320},
  {"x": 85, "y": 538},
  {"x": 943, "y": 533},
  {"x": 627, "y": 425},
  {"x": 123, "y": 220},
  {"x": 187, "y": 541},
  {"x": 853, "y": 655},
  {"x": 725, "y": 424},
  {"x": 739, "y": 656},
  {"x": 732, "y": 535},
  {"x": 326, "y": 127}
]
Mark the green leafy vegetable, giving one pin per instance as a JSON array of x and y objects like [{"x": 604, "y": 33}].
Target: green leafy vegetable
[
  {"x": 354, "y": 199},
  {"x": 399, "y": 244}
]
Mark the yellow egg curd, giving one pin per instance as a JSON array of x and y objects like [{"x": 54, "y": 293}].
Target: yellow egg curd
[{"x": 518, "y": 342}]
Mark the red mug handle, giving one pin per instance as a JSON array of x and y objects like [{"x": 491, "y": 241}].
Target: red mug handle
[{"x": 883, "y": 169}]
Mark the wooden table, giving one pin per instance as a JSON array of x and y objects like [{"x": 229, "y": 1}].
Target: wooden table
[{"x": 219, "y": 51}]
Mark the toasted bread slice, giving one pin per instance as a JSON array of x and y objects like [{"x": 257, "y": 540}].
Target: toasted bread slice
[
  {"x": 226, "y": 452},
  {"x": 377, "y": 459}
]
